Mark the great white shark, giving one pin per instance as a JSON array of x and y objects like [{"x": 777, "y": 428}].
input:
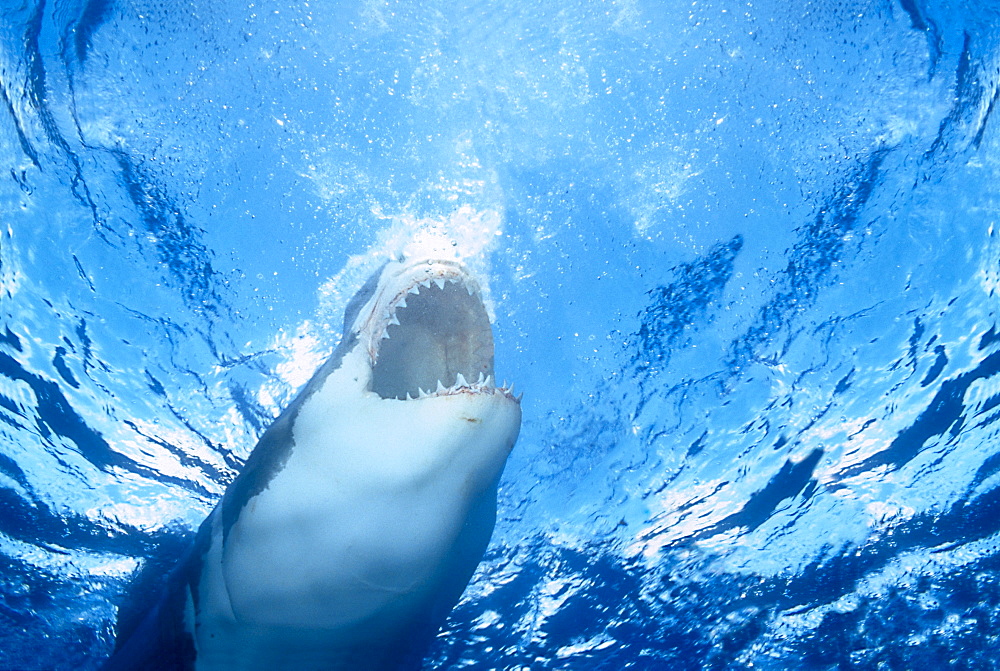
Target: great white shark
[{"x": 363, "y": 511}]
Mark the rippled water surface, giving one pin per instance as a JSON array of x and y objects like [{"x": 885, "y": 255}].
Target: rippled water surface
[{"x": 743, "y": 258}]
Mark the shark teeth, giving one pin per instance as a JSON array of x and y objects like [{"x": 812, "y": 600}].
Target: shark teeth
[
  {"x": 508, "y": 391},
  {"x": 400, "y": 301},
  {"x": 482, "y": 385}
]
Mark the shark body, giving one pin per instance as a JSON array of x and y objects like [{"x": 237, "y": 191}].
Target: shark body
[{"x": 363, "y": 511}]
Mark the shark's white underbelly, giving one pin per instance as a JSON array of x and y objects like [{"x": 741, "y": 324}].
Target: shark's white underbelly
[{"x": 352, "y": 540}]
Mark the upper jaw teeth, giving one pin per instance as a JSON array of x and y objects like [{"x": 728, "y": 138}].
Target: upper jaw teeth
[
  {"x": 440, "y": 281},
  {"x": 389, "y": 315}
]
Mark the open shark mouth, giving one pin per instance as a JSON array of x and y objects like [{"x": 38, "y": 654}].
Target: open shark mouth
[{"x": 435, "y": 340}]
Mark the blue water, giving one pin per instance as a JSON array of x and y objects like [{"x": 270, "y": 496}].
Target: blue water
[{"x": 744, "y": 263}]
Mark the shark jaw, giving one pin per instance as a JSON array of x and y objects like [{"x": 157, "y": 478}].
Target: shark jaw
[{"x": 427, "y": 333}]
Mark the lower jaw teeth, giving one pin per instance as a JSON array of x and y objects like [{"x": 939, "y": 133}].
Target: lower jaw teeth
[{"x": 483, "y": 384}]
